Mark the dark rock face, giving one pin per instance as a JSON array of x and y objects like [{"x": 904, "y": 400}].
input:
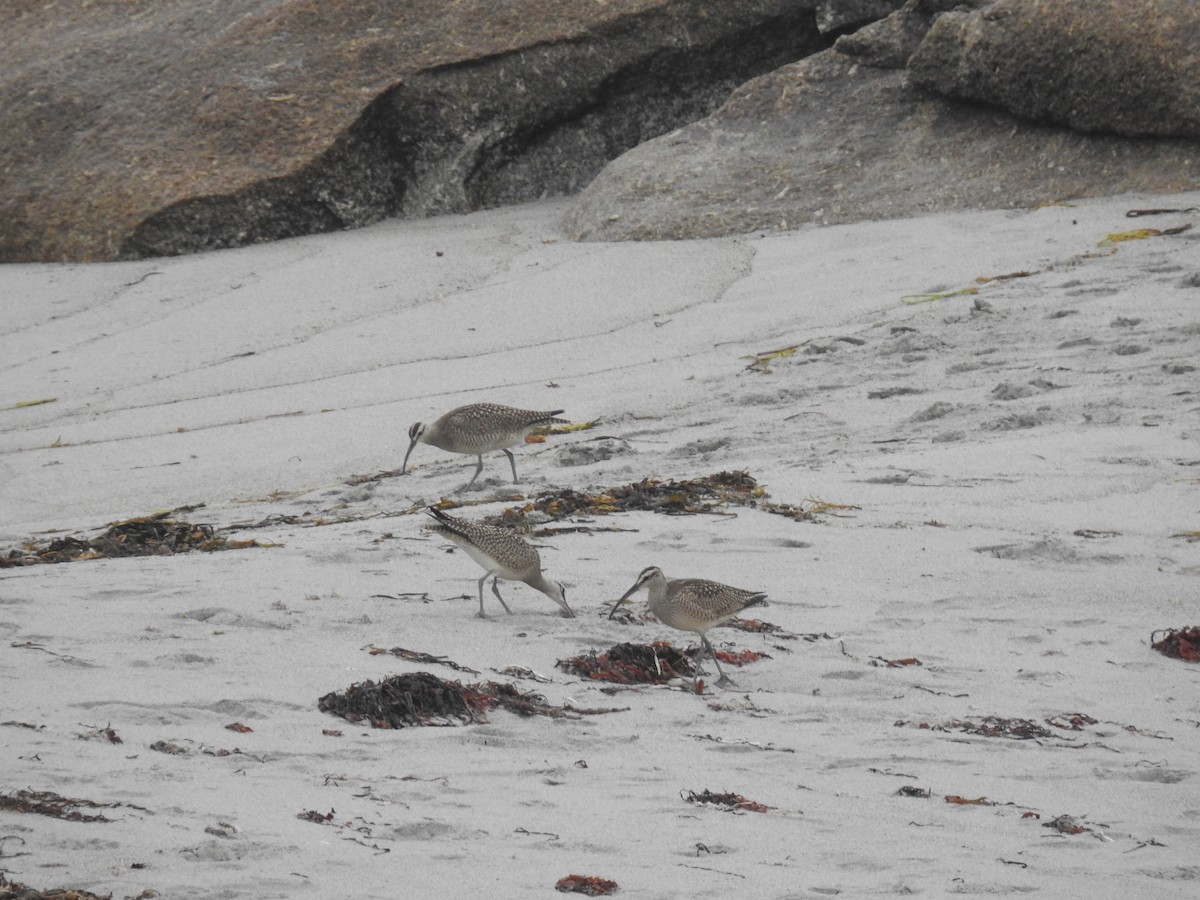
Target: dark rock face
[
  {"x": 878, "y": 128},
  {"x": 182, "y": 126}
]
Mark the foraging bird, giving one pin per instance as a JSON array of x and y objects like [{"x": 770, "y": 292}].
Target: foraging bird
[
  {"x": 692, "y": 604},
  {"x": 479, "y": 428},
  {"x": 502, "y": 554}
]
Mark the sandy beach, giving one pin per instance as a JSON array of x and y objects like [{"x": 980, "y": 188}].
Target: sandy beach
[{"x": 986, "y": 422}]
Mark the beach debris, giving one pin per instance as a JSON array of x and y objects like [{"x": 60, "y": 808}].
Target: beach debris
[
  {"x": 990, "y": 726},
  {"x": 752, "y": 745},
  {"x": 1178, "y": 643},
  {"x": 1065, "y": 824},
  {"x": 101, "y": 734},
  {"x": 15, "y": 890},
  {"x": 168, "y": 747},
  {"x": 354, "y": 830},
  {"x": 741, "y": 657},
  {"x": 1140, "y": 234},
  {"x": 801, "y": 513},
  {"x": 524, "y": 672},
  {"x": 548, "y": 835},
  {"x": 589, "y": 885},
  {"x": 1071, "y": 721},
  {"x": 311, "y": 815},
  {"x": 421, "y": 699},
  {"x": 995, "y": 726},
  {"x": 910, "y": 299},
  {"x": 654, "y": 663},
  {"x": 895, "y": 663},
  {"x": 419, "y": 657},
  {"x": 985, "y": 279},
  {"x": 1152, "y": 842},
  {"x": 13, "y": 723},
  {"x": 570, "y": 428},
  {"x": 759, "y": 626},
  {"x": 1134, "y": 213},
  {"x": 709, "y": 494},
  {"x": 154, "y": 535},
  {"x": 48, "y": 803},
  {"x": 225, "y": 830},
  {"x": 730, "y": 801},
  {"x": 25, "y": 404},
  {"x": 760, "y": 362},
  {"x": 963, "y": 801},
  {"x": 239, "y": 727}
]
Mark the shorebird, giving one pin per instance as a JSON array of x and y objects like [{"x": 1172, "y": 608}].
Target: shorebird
[
  {"x": 479, "y": 428},
  {"x": 502, "y": 554},
  {"x": 692, "y": 604}
]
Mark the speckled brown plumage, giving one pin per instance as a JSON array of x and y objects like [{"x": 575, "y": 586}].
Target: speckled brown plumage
[
  {"x": 501, "y": 554},
  {"x": 479, "y": 428},
  {"x": 692, "y": 604}
]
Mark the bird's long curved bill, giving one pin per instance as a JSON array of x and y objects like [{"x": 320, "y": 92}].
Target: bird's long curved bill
[
  {"x": 629, "y": 593},
  {"x": 404, "y": 465}
]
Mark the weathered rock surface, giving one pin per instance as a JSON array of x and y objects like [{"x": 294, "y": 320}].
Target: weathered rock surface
[
  {"x": 174, "y": 126},
  {"x": 1067, "y": 98},
  {"x": 1108, "y": 66}
]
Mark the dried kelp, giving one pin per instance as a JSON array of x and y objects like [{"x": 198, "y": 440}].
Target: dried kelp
[
  {"x": 731, "y": 802},
  {"x": 14, "y": 890},
  {"x": 993, "y": 726},
  {"x": 1065, "y": 824},
  {"x": 420, "y": 699},
  {"x": 48, "y": 803},
  {"x": 154, "y": 535},
  {"x": 655, "y": 663},
  {"x": 757, "y": 626},
  {"x": 710, "y": 494},
  {"x": 1072, "y": 721},
  {"x": 740, "y": 657},
  {"x": 1178, "y": 643},
  {"x": 420, "y": 657},
  {"x": 588, "y": 885}
]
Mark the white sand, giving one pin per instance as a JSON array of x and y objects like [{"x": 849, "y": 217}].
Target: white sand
[{"x": 258, "y": 381}]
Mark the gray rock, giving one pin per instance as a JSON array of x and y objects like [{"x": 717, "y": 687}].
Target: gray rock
[
  {"x": 185, "y": 127},
  {"x": 843, "y": 15},
  {"x": 1107, "y": 66},
  {"x": 847, "y": 135}
]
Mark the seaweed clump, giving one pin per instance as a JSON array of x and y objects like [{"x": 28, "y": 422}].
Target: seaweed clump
[
  {"x": 588, "y": 885},
  {"x": 154, "y": 535},
  {"x": 709, "y": 494},
  {"x": 14, "y": 890},
  {"x": 421, "y": 698},
  {"x": 655, "y": 663},
  {"x": 1178, "y": 643},
  {"x": 48, "y": 803}
]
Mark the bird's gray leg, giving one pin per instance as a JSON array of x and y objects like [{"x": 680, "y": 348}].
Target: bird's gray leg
[
  {"x": 724, "y": 679},
  {"x": 485, "y": 577},
  {"x": 696, "y": 659},
  {"x": 478, "y": 469},
  {"x": 496, "y": 591},
  {"x": 513, "y": 461}
]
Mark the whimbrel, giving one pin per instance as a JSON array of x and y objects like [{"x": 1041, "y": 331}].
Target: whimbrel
[
  {"x": 692, "y": 604},
  {"x": 502, "y": 555},
  {"x": 479, "y": 428}
]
